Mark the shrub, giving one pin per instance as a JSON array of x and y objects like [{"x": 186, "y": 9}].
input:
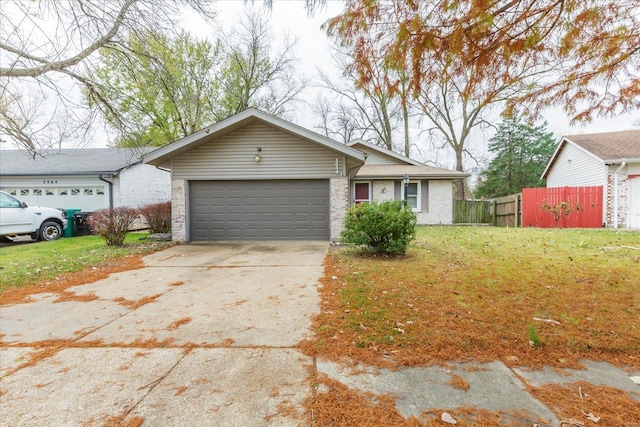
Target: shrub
[
  {"x": 385, "y": 227},
  {"x": 112, "y": 224},
  {"x": 559, "y": 210},
  {"x": 158, "y": 217}
]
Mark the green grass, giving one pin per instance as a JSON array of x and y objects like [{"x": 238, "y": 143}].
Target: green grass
[
  {"x": 477, "y": 291},
  {"x": 28, "y": 263}
]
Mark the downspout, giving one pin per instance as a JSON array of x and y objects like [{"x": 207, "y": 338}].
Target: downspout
[
  {"x": 101, "y": 178},
  {"x": 615, "y": 194}
]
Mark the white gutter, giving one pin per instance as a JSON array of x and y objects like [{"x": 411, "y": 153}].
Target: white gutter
[{"x": 615, "y": 193}]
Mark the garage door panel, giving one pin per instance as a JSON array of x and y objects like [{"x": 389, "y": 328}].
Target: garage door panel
[{"x": 259, "y": 210}]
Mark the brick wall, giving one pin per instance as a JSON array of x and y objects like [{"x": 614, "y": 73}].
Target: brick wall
[
  {"x": 440, "y": 203},
  {"x": 339, "y": 203},
  {"x": 141, "y": 185},
  {"x": 623, "y": 197},
  {"x": 179, "y": 210}
]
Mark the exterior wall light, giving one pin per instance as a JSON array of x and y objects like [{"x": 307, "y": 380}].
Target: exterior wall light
[
  {"x": 258, "y": 155},
  {"x": 405, "y": 179}
]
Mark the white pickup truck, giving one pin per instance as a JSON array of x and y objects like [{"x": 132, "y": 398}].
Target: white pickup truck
[{"x": 17, "y": 219}]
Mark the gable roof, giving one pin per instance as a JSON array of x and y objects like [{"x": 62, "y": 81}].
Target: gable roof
[
  {"x": 244, "y": 118},
  {"x": 76, "y": 161},
  {"x": 373, "y": 147},
  {"x": 414, "y": 171},
  {"x": 608, "y": 147}
]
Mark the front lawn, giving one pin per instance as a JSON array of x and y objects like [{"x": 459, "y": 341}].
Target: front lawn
[
  {"x": 524, "y": 296},
  {"x": 26, "y": 264}
]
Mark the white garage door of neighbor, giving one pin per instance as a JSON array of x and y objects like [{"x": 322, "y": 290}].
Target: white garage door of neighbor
[
  {"x": 259, "y": 210},
  {"x": 86, "y": 198}
]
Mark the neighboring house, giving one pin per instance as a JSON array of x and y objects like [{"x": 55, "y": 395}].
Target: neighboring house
[
  {"x": 255, "y": 176},
  {"x": 610, "y": 160},
  {"x": 88, "y": 179}
]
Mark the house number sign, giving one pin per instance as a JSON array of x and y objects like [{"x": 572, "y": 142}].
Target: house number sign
[{"x": 49, "y": 181}]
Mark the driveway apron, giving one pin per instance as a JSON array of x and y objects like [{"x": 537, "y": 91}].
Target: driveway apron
[{"x": 204, "y": 335}]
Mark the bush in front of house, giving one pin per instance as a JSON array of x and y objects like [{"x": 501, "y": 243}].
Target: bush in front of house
[
  {"x": 112, "y": 223},
  {"x": 158, "y": 217},
  {"x": 386, "y": 227}
]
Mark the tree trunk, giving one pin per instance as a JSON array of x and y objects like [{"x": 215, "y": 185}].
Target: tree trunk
[
  {"x": 405, "y": 119},
  {"x": 459, "y": 167}
]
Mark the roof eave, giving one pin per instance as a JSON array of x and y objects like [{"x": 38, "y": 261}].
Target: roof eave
[
  {"x": 618, "y": 161},
  {"x": 54, "y": 173},
  {"x": 416, "y": 176}
]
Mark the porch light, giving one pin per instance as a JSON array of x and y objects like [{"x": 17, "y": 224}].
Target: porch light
[{"x": 258, "y": 155}]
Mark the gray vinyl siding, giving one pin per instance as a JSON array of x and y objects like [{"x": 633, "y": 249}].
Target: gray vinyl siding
[
  {"x": 284, "y": 156},
  {"x": 575, "y": 167},
  {"x": 376, "y": 158}
]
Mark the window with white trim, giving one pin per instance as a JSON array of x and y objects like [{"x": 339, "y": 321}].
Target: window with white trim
[{"x": 413, "y": 195}]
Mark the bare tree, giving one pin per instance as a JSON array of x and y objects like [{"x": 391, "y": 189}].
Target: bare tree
[
  {"x": 339, "y": 121},
  {"x": 374, "y": 110},
  {"x": 454, "y": 106},
  {"x": 258, "y": 72},
  {"x": 41, "y": 41}
]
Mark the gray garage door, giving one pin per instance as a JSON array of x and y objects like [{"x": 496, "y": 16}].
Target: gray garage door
[{"x": 259, "y": 210}]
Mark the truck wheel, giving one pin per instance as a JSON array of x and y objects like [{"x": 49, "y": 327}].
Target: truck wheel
[{"x": 50, "y": 230}]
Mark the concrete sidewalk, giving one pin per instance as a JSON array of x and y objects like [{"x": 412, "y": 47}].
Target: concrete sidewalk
[
  {"x": 491, "y": 386},
  {"x": 206, "y": 335}
]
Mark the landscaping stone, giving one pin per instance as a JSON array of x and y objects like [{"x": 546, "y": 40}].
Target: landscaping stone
[{"x": 160, "y": 237}]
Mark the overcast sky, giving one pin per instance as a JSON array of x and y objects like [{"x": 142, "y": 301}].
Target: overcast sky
[{"x": 312, "y": 49}]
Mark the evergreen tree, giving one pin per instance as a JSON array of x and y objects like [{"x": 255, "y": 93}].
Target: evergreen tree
[{"x": 522, "y": 152}]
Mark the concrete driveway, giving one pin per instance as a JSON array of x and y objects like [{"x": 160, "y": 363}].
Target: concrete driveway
[{"x": 204, "y": 335}]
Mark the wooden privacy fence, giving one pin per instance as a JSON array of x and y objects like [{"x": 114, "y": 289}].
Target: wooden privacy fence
[
  {"x": 507, "y": 211},
  {"x": 586, "y": 203},
  {"x": 472, "y": 212},
  {"x": 503, "y": 211}
]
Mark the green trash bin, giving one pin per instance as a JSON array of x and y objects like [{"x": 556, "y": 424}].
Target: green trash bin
[{"x": 70, "y": 230}]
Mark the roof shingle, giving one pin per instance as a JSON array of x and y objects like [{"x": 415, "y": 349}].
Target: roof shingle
[
  {"x": 79, "y": 161},
  {"x": 610, "y": 145}
]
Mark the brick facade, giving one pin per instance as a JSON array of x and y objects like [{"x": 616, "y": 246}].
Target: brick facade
[
  {"x": 623, "y": 197},
  {"x": 439, "y": 204},
  {"x": 339, "y": 203},
  {"x": 179, "y": 210},
  {"x": 141, "y": 185}
]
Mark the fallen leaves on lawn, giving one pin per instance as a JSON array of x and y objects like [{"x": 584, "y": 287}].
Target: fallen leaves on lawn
[
  {"x": 373, "y": 312},
  {"x": 582, "y": 402},
  {"x": 17, "y": 295}
]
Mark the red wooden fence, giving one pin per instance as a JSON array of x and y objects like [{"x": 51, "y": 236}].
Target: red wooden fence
[{"x": 586, "y": 202}]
